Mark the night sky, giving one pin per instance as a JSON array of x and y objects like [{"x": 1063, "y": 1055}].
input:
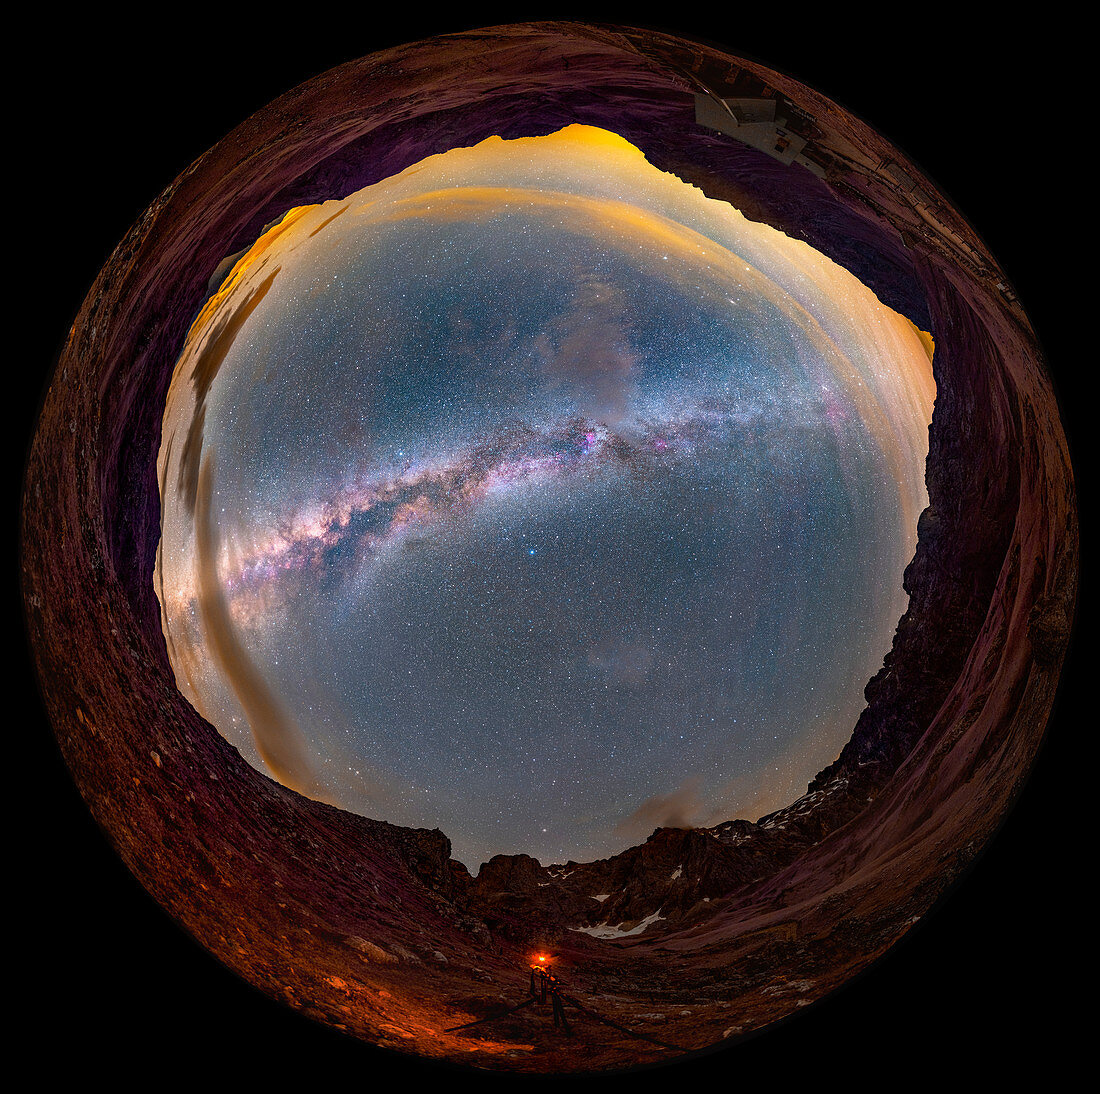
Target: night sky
[{"x": 534, "y": 496}]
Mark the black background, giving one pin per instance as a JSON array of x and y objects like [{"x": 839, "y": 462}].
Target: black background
[{"x": 107, "y": 114}]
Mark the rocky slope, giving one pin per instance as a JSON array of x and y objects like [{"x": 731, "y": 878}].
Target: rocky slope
[{"x": 670, "y": 879}]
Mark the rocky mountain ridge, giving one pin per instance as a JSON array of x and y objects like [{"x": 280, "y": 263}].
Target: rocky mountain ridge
[{"x": 675, "y": 877}]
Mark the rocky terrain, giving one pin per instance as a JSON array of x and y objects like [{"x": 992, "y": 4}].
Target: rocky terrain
[
  {"x": 696, "y": 937},
  {"x": 671, "y": 879}
]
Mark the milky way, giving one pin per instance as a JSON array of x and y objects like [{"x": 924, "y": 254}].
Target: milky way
[{"x": 534, "y": 496}]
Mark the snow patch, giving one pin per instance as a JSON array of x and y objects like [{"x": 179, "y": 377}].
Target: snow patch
[
  {"x": 788, "y": 985},
  {"x": 604, "y": 930}
]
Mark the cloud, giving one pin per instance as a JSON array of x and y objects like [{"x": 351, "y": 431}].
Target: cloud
[
  {"x": 278, "y": 739},
  {"x": 587, "y": 352},
  {"x": 680, "y": 809},
  {"x": 622, "y": 662},
  {"x": 208, "y": 363}
]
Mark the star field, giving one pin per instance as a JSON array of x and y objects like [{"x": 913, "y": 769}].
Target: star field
[{"x": 533, "y": 496}]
